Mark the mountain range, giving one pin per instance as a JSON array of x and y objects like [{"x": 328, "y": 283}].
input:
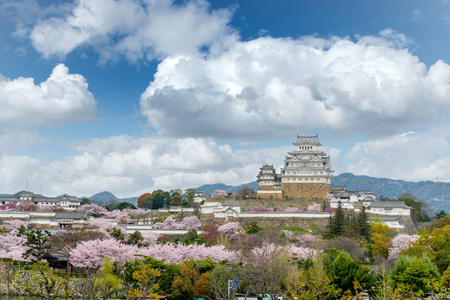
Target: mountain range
[{"x": 436, "y": 194}]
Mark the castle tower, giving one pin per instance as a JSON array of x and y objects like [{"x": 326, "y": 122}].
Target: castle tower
[
  {"x": 269, "y": 183},
  {"x": 306, "y": 173},
  {"x": 307, "y": 170}
]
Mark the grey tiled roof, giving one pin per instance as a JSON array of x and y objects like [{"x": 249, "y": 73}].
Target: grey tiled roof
[
  {"x": 388, "y": 204},
  {"x": 231, "y": 203},
  {"x": 70, "y": 215}
]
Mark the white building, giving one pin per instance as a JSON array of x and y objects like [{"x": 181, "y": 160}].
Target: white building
[{"x": 65, "y": 202}]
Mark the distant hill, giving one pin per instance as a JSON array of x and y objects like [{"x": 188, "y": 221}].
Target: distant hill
[
  {"x": 210, "y": 188},
  {"x": 103, "y": 197},
  {"x": 436, "y": 194}
]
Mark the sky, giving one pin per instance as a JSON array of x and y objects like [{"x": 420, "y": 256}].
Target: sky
[{"x": 130, "y": 96}]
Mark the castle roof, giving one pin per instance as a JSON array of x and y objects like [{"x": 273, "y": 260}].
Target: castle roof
[{"x": 310, "y": 140}]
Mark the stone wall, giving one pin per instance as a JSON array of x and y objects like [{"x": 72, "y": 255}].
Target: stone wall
[
  {"x": 312, "y": 224},
  {"x": 306, "y": 190},
  {"x": 266, "y": 187},
  {"x": 265, "y": 195}
]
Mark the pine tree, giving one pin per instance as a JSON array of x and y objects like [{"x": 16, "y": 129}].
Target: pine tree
[{"x": 364, "y": 226}]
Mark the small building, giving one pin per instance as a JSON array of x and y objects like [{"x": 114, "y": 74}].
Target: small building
[
  {"x": 200, "y": 196},
  {"x": 395, "y": 208},
  {"x": 65, "y": 202},
  {"x": 349, "y": 198}
]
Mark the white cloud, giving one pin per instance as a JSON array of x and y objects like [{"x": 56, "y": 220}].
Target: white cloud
[
  {"x": 272, "y": 87},
  {"x": 133, "y": 28},
  {"x": 13, "y": 139},
  {"x": 128, "y": 166},
  {"x": 61, "y": 99},
  {"x": 411, "y": 156}
]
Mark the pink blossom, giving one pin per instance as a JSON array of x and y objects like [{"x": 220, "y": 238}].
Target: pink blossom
[
  {"x": 12, "y": 246},
  {"x": 229, "y": 228},
  {"x": 149, "y": 238},
  {"x": 306, "y": 239},
  {"x": 260, "y": 208},
  {"x": 105, "y": 225},
  {"x": 14, "y": 224},
  {"x": 330, "y": 197},
  {"x": 219, "y": 194},
  {"x": 187, "y": 223},
  {"x": 46, "y": 208},
  {"x": 92, "y": 209},
  {"x": 177, "y": 253},
  {"x": 399, "y": 243},
  {"x": 328, "y": 209},
  {"x": 314, "y": 207},
  {"x": 292, "y": 209},
  {"x": 91, "y": 254},
  {"x": 11, "y": 206},
  {"x": 301, "y": 252},
  {"x": 118, "y": 215}
]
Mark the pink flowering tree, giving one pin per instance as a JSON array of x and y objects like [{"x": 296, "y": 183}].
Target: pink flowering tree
[
  {"x": 288, "y": 209},
  {"x": 91, "y": 254},
  {"x": 170, "y": 223},
  {"x": 260, "y": 209},
  {"x": 149, "y": 238},
  {"x": 399, "y": 243},
  {"x": 314, "y": 207},
  {"x": 11, "y": 206},
  {"x": 229, "y": 229},
  {"x": 306, "y": 239},
  {"x": 46, "y": 208},
  {"x": 27, "y": 206},
  {"x": 219, "y": 194},
  {"x": 121, "y": 216},
  {"x": 330, "y": 197},
  {"x": 107, "y": 226},
  {"x": 92, "y": 209},
  {"x": 177, "y": 253},
  {"x": 14, "y": 224},
  {"x": 12, "y": 243}
]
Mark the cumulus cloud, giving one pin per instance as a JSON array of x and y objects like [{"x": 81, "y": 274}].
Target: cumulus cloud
[
  {"x": 130, "y": 166},
  {"x": 136, "y": 29},
  {"x": 13, "y": 139},
  {"x": 61, "y": 99},
  {"x": 411, "y": 156},
  {"x": 271, "y": 87}
]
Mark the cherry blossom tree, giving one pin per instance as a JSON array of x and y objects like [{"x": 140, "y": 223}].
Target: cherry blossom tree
[
  {"x": 219, "y": 194},
  {"x": 399, "y": 243},
  {"x": 177, "y": 253},
  {"x": 260, "y": 208},
  {"x": 229, "y": 229},
  {"x": 187, "y": 223},
  {"x": 149, "y": 238},
  {"x": 330, "y": 197},
  {"x": 92, "y": 209},
  {"x": 106, "y": 226},
  {"x": 314, "y": 207},
  {"x": 91, "y": 254},
  {"x": 306, "y": 239},
  {"x": 14, "y": 224},
  {"x": 27, "y": 206},
  {"x": 11, "y": 206},
  {"x": 288, "y": 209},
  {"x": 121, "y": 216}
]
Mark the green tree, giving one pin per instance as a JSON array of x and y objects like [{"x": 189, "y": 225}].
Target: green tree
[
  {"x": 38, "y": 244},
  {"x": 44, "y": 283},
  {"x": 191, "y": 237},
  {"x": 252, "y": 228},
  {"x": 85, "y": 201},
  {"x": 176, "y": 200},
  {"x": 189, "y": 194},
  {"x": 160, "y": 199},
  {"x": 145, "y": 201},
  {"x": 414, "y": 274},
  {"x": 135, "y": 238},
  {"x": 344, "y": 271}
]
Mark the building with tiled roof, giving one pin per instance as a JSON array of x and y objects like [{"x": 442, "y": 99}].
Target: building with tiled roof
[
  {"x": 65, "y": 202},
  {"x": 306, "y": 173}
]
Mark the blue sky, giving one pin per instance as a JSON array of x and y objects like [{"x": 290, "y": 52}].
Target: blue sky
[{"x": 134, "y": 95}]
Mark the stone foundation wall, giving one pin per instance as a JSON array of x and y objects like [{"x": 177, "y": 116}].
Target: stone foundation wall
[
  {"x": 265, "y": 187},
  {"x": 312, "y": 224},
  {"x": 266, "y": 195},
  {"x": 305, "y": 190}
]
